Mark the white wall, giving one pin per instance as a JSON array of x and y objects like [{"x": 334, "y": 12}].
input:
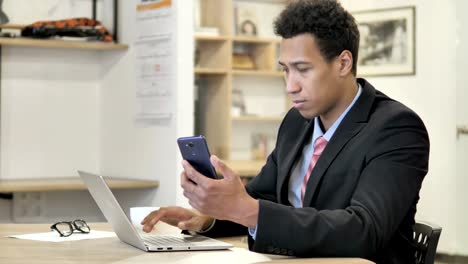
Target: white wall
[
  {"x": 64, "y": 110},
  {"x": 432, "y": 93},
  {"x": 146, "y": 152},
  {"x": 49, "y": 117},
  {"x": 49, "y": 105},
  {"x": 30, "y": 11},
  {"x": 462, "y": 120}
]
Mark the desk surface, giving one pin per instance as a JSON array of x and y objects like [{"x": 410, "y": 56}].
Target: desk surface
[{"x": 112, "y": 250}]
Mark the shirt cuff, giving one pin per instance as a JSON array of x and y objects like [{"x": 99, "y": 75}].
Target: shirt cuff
[
  {"x": 208, "y": 228},
  {"x": 253, "y": 232}
]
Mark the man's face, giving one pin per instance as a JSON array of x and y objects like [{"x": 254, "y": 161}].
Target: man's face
[{"x": 311, "y": 82}]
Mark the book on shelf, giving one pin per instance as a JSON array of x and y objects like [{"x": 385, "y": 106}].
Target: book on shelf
[
  {"x": 79, "y": 39},
  {"x": 207, "y": 31},
  {"x": 10, "y": 30}
]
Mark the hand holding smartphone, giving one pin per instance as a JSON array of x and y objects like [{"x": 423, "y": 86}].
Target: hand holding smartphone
[{"x": 195, "y": 151}]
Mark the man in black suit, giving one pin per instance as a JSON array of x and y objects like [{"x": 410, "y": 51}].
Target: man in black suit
[{"x": 345, "y": 174}]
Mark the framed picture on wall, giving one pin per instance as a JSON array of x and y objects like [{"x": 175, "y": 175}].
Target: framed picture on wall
[
  {"x": 246, "y": 19},
  {"x": 387, "y": 44}
]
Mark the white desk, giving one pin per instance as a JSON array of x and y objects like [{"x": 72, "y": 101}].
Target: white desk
[{"x": 112, "y": 250}]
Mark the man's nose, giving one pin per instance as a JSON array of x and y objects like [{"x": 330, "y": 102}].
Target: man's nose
[{"x": 292, "y": 85}]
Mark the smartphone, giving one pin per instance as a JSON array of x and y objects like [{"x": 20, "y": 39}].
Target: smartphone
[{"x": 195, "y": 151}]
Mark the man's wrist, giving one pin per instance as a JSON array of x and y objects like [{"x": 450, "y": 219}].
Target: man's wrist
[{"x": 248, "y": 213}]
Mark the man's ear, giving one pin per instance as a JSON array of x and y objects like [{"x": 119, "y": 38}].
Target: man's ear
[{"x": 345, "y": 61}]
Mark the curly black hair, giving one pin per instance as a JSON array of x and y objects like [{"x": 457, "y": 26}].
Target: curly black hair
[{"x": 333, "y": 28}]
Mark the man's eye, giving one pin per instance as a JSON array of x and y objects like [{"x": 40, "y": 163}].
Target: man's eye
[{"x": 303, "y": 69}]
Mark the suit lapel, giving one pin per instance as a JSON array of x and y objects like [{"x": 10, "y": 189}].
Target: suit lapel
[
  {"x": 285, "y": 171},
  {"x": 332, "y": 149},
  {"x": 353, "y": 122}
]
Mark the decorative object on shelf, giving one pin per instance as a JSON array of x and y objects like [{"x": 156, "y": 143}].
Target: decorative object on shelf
[
  {"x": 207, "y": 31},
  {"x": 241, "y": 58},
  {"x": 238, "y": 104},
  {"x": 80, "y": 28},
  {"x": 246, "y": 20},
  {"x": 10, "y": 30},
  {"x": 3, "y": 16},
  {"x": 387, "y": 45},
  {"x": 242, "y": 62},
  {"x": 259, "y": 146}
]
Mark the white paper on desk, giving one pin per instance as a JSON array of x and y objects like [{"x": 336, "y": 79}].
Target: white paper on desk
[{"x": 54, "y": 236}]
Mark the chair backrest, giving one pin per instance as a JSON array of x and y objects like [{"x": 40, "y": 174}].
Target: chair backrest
[{"x": 426, "y": 237}]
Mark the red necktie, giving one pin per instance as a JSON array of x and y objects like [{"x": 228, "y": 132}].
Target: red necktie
[{"x": 319, "y": 146}]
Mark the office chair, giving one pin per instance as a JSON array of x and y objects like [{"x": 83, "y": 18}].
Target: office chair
[{"x": 426, "y": 237}]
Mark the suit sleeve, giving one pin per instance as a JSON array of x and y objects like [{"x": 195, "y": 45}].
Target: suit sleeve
[
  {"x": 265, "y": 192},
  {"x": 388, "y": 186}
]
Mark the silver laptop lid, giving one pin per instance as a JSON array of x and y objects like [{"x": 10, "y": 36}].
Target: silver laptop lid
[{"x": 111, "y": 209}]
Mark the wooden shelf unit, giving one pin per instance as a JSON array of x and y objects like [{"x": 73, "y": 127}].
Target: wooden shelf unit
[
  {"x": 246, "y": 168},
  {"x": 215, "y": 75},
  {"x": 60, "y": 44}
]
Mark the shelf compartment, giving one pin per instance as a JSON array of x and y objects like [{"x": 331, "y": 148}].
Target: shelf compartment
[
  {"x": 261, "y": 54},
  {"x": 212, "y": 54},
  {"x": 213, "y": 111}
]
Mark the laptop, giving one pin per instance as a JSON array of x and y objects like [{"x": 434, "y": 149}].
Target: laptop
[{"x": 127, "y": 232}]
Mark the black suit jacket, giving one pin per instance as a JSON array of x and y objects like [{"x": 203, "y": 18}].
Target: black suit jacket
[{"x": 361, "y": 198}]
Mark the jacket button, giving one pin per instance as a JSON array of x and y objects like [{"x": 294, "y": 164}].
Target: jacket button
[
  {"x": 270, "y": 249},
  {"x": 291, "y": 252},
  {"x": 277, "y": 251},
  {"x": 284, "y": 251}
]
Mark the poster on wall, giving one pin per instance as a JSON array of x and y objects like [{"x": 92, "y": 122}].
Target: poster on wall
[
  {"x": 154, "y": 54},
  {"x": 387, "y": 43}
]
